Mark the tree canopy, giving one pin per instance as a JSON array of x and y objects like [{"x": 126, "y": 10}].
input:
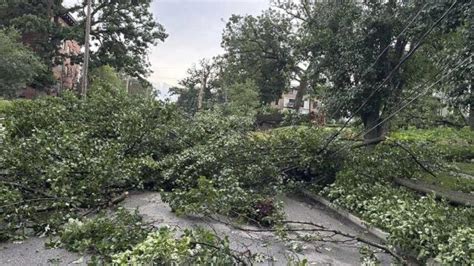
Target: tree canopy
[
  {"x": 18, "y": 64},
  {"x": 122, "y": 34}
]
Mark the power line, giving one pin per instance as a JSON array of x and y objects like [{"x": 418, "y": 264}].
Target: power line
[
  {"x": 386, "y": 49},
  {"x": 402, "y": 61},
  {"x": 407, "y": 103}
]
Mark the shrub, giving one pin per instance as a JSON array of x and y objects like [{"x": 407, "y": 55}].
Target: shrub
[
  {"x": 4, "y": 104},
  {"x": 394, "y": 158},
  {"x": 294, "y": 118}
]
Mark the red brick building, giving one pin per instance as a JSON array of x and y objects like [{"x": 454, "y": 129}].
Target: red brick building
[{"x": 67, "y": 74}]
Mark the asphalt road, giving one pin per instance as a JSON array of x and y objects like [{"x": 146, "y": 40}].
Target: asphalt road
[{"x": 271, "y": 249}]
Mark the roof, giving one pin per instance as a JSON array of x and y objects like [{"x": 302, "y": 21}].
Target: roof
[{"x": 67, "y": 17}]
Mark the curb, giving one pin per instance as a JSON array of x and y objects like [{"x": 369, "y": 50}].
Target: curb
[
  {"x": 379, "y": 233},
  {"x": 454, "y": 197}
]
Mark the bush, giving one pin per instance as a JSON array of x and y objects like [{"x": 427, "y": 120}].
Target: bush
[
  {"x": 294, "y": 118},
  {"x": 394, "y": 158}
]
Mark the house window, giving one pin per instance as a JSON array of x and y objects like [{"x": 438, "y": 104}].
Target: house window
[{"x": 291, "y": 103}]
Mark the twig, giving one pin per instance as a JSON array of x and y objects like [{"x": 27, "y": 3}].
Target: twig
[
  {"x": 413, "y": 156},
  {"x": 319, "y": 228},
  {"x": 365, "y": 241},
  {"x": 13, "y": 184},
  {"x": 113, "y": 201},
  {"x": 237, "y": 258}
]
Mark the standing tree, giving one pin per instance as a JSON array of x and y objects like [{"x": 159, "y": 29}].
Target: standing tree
[
  {"x": 362, "y": 51},
  {"x": 36, "y": 21},
  {"x": 242, "y": 98},
  {"x": 122, "y": 32},
  {"x": 356, "y": 61},
  {"x": 197, "y": 89},
  {"x": 259, "y": 49},
  {"x": 451, "y": 46},
  {"x": 18, "y": 64}
]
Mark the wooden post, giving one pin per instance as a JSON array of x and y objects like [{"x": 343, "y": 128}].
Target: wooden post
[{"x": 85, "y": 66}]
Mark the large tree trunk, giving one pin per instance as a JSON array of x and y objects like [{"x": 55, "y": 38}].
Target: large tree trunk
[
  {"x": 301, "y": 91},
  {"x": 371, "y": 122},
  {"x": 50, "y": 9}
]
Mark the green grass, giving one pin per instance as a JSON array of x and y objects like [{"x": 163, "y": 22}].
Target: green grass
[
  {"x": 466, "y": 168},
  {"x": 451, "y": 180},
  {"x": 453, "y": 144},
  {"x": 440, "y": 135},
  {"x": 3, "y": 105}
]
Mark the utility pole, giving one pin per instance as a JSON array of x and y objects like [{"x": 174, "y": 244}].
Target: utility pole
[
  {"x": 201, "y": 92},
  {"x": 127, "y": 85},
  {"x": 85, "y": 66}
]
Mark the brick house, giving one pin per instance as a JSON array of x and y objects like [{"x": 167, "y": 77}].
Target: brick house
[{"x": 67, "y": 74}]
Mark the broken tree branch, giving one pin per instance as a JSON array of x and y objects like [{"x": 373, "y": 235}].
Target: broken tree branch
[{"x": 413, "y": 156}]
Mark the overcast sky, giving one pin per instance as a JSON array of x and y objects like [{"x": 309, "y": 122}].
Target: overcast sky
[{"x": 194, "y": 28}]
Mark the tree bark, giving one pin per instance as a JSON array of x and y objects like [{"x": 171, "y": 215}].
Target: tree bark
[
  {"x": 301, "y": 91},
  {"x": 371, "y": 122},
  {"x": 50, "y": 9}
]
